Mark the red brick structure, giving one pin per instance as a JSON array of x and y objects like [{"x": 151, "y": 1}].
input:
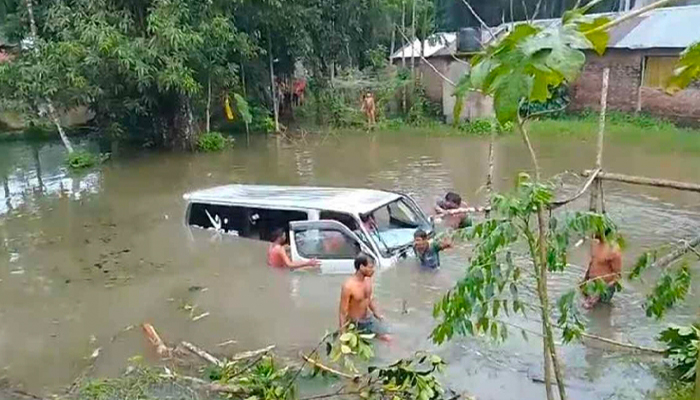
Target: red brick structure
[{"x": 642, "y": 54}]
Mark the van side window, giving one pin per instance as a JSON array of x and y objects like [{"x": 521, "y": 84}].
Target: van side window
[
  {"x": 254, "y": 223},
  {"x": 325, "y": 244},
  {"x": 349, "y": 221}
]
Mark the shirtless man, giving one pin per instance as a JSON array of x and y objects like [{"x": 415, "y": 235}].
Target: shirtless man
[
  {"x": 356, "y": 300},
  {"x": 277, "y": 253},
  {"x": 454, "y": 211},
  {"x": 606, "y": 265},
  {"x": 369, "y": 108}
]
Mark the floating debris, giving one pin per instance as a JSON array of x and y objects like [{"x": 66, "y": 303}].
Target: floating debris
[{"x": 200, "y": 316}]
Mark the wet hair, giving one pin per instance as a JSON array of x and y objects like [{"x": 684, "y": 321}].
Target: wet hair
[
  {"x": 419, "y": 233},
  {"x": 362, "y": 259},
  {"x": 453, "y": 197},
  {"x": 603, "y": 235},
  {"x": 277, "y": 233}
]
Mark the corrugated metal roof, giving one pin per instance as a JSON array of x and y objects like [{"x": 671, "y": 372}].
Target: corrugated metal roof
[
  {"x": 673, "y": 27},
  {"x": 295, "y": 197},
  {"x": 434, "y": 44}
]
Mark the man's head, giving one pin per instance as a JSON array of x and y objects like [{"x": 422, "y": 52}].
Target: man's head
[
  {"x": 364, "y": 264},
  {"x": 453, "y": 199},
  {"x": 420, "y": 240},
  {"x": 279, "y": 236},
  {"x": 604, "y": 235}
]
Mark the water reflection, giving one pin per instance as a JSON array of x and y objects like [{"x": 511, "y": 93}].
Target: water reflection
[{"x": 89, "y": 254}]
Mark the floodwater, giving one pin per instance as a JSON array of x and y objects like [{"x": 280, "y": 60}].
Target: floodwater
[{"x": 85, "y": 256}]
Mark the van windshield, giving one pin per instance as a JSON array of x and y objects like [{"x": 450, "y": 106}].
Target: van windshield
[{"x": 392, "y": 226}]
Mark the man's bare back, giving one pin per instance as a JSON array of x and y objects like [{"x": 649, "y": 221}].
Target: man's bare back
[
  {"x": 606, "y": 262},
  {"x": 606, "y": 265}
]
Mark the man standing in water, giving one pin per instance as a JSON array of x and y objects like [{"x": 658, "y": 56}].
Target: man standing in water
[
  {"x": 606, "y": 266},
  {"x": 428, "y": 251},
  {"x": 277, "y": 253},
  {"x": 356, "y": 300},
  {"x": 368, "y": 108}
]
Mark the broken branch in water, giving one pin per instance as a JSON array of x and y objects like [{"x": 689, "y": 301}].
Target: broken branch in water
[
  {"x": 201, "y": 353},
  {"x": 558, "y": 203},
  {"x": 250, "y": 354},
  {"x": 676, "y": 254},
  {"x": 330, "y": 370},
  {"x": 155, "y": 340},
  {"x": 624, "y": 345}
]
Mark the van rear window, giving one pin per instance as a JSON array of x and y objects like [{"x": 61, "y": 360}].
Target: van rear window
[{"x": 254, "y": 223}]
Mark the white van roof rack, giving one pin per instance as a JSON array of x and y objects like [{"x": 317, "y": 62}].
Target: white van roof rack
[{"x": 295, "y": 197}]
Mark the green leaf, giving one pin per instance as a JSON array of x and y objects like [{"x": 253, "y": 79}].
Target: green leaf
[
  {"x": 599, "y": 40},
  {"x": 567, "y": 61},
  {"x": 510, "y": 90},
  {"x": 345, "y": 349},
  {"x": 345, "y": 337}
]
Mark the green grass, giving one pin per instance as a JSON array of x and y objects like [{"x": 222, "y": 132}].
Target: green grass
[{"x": 675, "y": 391}]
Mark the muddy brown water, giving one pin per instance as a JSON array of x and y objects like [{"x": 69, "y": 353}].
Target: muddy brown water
[{"x": 84, "y": 256}]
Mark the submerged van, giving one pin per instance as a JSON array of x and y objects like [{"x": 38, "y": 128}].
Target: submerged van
[{"x": 322, "y": 222}]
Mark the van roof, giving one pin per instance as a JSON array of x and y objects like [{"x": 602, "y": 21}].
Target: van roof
[{"x": 295, "y": 197}]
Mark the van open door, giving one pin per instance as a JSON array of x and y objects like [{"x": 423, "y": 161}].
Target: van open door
[{"x": 328, "y": 241}]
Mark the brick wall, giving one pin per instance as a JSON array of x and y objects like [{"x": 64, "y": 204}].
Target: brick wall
[
  {"x": 625, "y": 75},
  {"x": 624, "y": 94}
]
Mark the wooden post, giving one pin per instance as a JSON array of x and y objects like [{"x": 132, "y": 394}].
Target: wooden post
[
  {"x": 593, "y": 206},
  {"x": 641, "y": 84}
]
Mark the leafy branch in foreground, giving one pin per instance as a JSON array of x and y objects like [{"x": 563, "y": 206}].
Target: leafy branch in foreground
[
  {"x": 682, "y": 348},
  {"x": 492, "y": 283}
]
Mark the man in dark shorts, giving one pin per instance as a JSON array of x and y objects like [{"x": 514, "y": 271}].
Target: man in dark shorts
[
  {"x": 428, "y": 251},
  {"x": 357, "y": 301}
]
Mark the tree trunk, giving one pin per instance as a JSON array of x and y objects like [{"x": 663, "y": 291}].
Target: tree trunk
[
  {"x": 275, "y": 105},
  {"x": 49, "y": 103},
  {"x": 184, "y": 132},
  {"x": 208, "y": 104},
  {"x": 403, "y": 34},
  {"x": 413, "y": 39},
  {"x": 245, "y": 96},
  {"x": 489, "y": 175},
  {"x": 393, "y": 41},
  {"x": 550, "y": 352}
]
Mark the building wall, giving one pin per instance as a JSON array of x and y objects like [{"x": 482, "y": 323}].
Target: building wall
[
  {"x": 625, "y": 93},
  {"x": 475, "y": 105},
  {"x": 625, "y": 77},
  {"x": 432, "y": 82}
]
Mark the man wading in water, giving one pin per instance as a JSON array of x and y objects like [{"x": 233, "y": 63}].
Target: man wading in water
[
  {"x": 277, "y": 253},
  {"x": 356, "y": 300},
  {"x": 605, "y": 265},
  {"x": 428, "y": 251}
]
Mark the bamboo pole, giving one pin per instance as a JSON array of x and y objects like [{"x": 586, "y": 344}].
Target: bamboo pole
[
  {"x": 275, "y": 106},
  {"x": 640, "y": 180},
  {"x": 593, "y": 206}
]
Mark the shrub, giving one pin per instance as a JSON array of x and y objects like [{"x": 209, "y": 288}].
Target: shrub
[
  {"x": 81, "y": 159},
  {"x": 682, "y": 348},
  {"x": 211, "y": 141}
]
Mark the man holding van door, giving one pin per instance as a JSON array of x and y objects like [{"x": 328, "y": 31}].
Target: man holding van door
[
  {"x": 277, "y": 253},
  {"x": 356, "y": 300}
]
